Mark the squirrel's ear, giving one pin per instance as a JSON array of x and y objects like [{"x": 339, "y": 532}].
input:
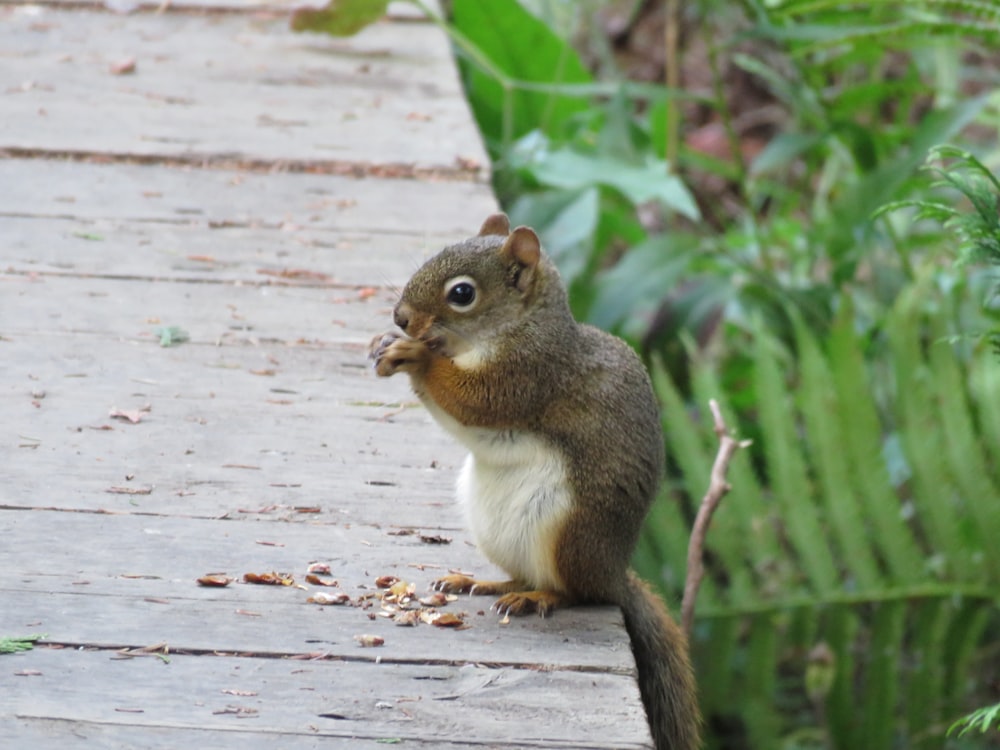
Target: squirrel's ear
[
  {"x": 497, "y": 224},
  {"x": 523, "y": 248}
]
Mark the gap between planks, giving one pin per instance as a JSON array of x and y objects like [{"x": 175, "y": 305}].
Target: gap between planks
[
  {"x": 463, "y": 171},
  {"x": 139, "y": 650}
]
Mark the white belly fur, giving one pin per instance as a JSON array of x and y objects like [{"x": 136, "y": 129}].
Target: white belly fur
[{"x": 514, "y": 490}]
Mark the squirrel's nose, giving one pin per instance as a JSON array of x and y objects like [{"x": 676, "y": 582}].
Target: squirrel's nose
[{"x": 401, "y": 315}]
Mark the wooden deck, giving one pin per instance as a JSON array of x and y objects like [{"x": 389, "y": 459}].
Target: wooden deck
[{"x": 263, "y": 192}]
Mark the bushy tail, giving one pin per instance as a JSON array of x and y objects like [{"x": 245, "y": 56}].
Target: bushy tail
[{"x": 666, "y": 679}]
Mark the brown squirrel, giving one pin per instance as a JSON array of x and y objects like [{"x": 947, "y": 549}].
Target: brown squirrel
[{"x": 564, "y": 440}]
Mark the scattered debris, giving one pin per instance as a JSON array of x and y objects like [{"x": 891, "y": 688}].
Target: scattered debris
[
  {"x": 130, "y": 415},
  {"x": 122, "y": 67},
  {"x": 269, "y": 579},
  {"x": 435, "y": 539},
  {"x": 369, "y": 641},
  {"x": 315, "y": 580},
  {"x": 324, "y": 598},
  {"x": 114, "y": 490},
  {"x": 215, "y": 579},
  {"x": 172, "y": 335},
  {"x": 240, "y": 712}
]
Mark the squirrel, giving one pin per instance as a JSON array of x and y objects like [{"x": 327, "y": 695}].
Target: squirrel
[{"x": 564, "y": 440}]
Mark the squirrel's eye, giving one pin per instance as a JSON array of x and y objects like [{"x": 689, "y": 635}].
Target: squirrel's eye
[{"x": 461, "y": 294}]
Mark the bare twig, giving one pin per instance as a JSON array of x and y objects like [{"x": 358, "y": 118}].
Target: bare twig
[{"x": 718, "y": 486}]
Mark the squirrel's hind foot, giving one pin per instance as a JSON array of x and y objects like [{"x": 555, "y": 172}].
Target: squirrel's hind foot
[
  {"x": 459, "y": 584},
  {"x": 525, "y": 602}
]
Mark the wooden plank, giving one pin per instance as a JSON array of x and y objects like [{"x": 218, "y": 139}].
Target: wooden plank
[
  {"x": 398, "y": 10},
  {"x": 346, "y": 701},
  {"x": 209, "y": 199},
  {"x": 322, "y": 432},
  {"x": 234, "y": 86},
  {"x": 214, "y": 315},
  {"x": 140, "y": 588},
  {"x": 253, "y": 255}
]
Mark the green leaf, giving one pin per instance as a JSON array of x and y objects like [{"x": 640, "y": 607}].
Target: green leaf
[
  {"x": 881, "y": 684},
  {"x": 518, "y": 47},
  {"x": 569, "y": 169},
  {"x": 566, "y": 223},
  {"x": 820, "y": 408},
  {"x": 13, "y": 645},
  {"x": 782, "y": 150},
  {"x": 638, "y": 281},
  {"x": 788, "y": 471},
  {"x": 339, "y": 17},
  {"x": 869, "y": 479}
]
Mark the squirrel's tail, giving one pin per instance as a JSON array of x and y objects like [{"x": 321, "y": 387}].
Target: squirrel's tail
[{"x": 666, "y": 679}]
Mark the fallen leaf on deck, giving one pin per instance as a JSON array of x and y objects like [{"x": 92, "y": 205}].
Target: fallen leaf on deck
[
  {"x": 269, "y": 579},
  {"x": 215, "y": 580},
  {"x": 340, "y": 18},
  {"x": 368, "y": 641},
  {"x": 18, "y": 643}
]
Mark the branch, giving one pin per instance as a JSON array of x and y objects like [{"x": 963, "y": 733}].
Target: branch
[{"x": 717, "y": 489}]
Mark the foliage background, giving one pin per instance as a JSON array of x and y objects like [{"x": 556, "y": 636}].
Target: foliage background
[
  {"x": 854, "y": 571},
  {"x": 742, "y": 191}
]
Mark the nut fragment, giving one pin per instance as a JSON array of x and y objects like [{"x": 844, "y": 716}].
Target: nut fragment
[
  {"x": 215, "y": 579},
  {"x": 322, "y": 597}
]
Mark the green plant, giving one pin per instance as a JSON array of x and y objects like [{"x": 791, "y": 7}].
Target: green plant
[
  {"x": 978, "y": 230},
  {"x": 853, "y": 570},
  {"x": 866, "y": 524},
  {"x": 982, "y": 719}
]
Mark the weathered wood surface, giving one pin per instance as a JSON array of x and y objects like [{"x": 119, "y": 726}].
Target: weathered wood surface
[
  {"x": 267, "y": 193},
  {"x": 355, "y": 702},
  {"x": 239, "y": 87}
]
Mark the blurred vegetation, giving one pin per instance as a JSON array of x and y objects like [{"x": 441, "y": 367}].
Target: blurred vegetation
[{"x": 785, "y": 228}]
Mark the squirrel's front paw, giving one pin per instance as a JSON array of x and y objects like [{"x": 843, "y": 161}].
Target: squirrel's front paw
[{"x": 392, "y": 352}]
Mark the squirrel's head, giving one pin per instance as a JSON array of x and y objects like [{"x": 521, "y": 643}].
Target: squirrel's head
[{"x": 464, "y": 299}]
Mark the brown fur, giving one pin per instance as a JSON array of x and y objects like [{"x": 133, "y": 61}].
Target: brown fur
[{"x": 585, "y": 394}]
